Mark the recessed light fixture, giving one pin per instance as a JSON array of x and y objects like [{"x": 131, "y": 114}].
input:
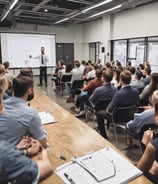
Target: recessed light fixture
[
  {"x": 96, "y": 5},
  {"x": 62, "y": 20},
  {"x": 106, "y": 11},
  {"x": 45, "y": 10},
  {"x": 9, "y": 9}
]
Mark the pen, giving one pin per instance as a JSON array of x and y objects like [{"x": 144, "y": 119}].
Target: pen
[{"x": 69, "y": 178}]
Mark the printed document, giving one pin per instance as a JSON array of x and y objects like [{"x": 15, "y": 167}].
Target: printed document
[
  {"x": 47, "y": 117},
  {"x": 105, "y": 166}
]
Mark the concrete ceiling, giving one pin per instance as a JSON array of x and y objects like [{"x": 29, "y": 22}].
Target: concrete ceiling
[{"x": 60, "y": 12}]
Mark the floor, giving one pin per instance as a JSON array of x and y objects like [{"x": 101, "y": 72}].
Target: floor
[{"x": 133, "y": 154}]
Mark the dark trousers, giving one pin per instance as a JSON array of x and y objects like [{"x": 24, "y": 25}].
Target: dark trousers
[
  {"x": 101, "y": 115},
  {"x": 43, "y": 73},
  {"x": 81, "y": 101}
]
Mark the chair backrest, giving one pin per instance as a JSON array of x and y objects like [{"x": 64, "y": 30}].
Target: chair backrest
[
  {"x": 102, "y": 104},
  {"x": 140, "y": 89},
  {"x": 77, "y": 84},
  {"x": 124, "y": 114},
  {"x": 66, "y": 78}
]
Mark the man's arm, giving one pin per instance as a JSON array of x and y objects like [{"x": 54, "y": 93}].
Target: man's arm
[{"x": 44, "y": 164}]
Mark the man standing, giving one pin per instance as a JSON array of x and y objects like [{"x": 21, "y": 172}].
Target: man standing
[{"x": 43, "y": 59}]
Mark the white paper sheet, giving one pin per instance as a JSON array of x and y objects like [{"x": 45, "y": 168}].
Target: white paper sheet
[{"x": 47, "y": 117}]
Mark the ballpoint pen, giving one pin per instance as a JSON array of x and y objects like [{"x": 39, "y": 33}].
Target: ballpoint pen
[{"x": 69, "y": 178}]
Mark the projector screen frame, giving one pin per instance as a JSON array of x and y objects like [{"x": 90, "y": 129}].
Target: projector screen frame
[{"x": 33, "y": 63}]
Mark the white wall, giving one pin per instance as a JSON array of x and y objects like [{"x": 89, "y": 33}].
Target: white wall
[{"x": 138, "y": 22}]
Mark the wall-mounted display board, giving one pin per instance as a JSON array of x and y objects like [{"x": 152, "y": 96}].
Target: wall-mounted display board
[{"x": 16, "y": 48}]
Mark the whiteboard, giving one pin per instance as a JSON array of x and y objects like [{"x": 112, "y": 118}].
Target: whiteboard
[{"x": 16, "y": 49}]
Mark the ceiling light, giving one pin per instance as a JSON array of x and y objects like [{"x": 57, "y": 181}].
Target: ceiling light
[
  {"x": 61, "y": 20},
  {"x": 5, "y": 15},
  {"x": 13, "y": 4},
  {"x": 72, "y": 16},
  {"x": 106, "y": 11},
  {"x": 45, "y": 10},
  {"x": 97, "y": 5},
  {"x": 9, "y": 9}
]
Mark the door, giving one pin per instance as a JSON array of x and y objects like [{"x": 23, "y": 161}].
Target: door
[{"x": 65, "y": 51}]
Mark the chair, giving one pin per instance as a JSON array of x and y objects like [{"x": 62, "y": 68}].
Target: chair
[
  {"x": 121, "y": 116},
  {"x": 65, "y": 78},
  {"x": 76, "y": 86},
  {"x": 101, "y": 104}
]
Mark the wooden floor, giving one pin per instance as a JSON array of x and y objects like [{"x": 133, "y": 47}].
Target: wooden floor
[{"x": 133, "y": 154}]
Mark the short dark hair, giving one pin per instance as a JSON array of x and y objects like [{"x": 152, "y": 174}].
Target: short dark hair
[
  {"x": 132, "y": 70},
  {"x": 108, "y": 75},
  {"x": 125, "y": 77},
  {"x": 77, "y": 63},
  {"x": 26, "y": 72},
  {"x": 147, "y": 70},
  {"x": 99, "y": 73},
  {"x": 139, "y": 74},
  {"x": 21, "y": 84},
  {"x": 6, "y": 64}
]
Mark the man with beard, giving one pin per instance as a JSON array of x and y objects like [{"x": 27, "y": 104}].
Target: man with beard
[
  {"x": 18, "y": 119},
  {"x": 43, "y": 59}
]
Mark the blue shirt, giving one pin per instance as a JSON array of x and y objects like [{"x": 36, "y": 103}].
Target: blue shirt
[
  {"x": 140, "y": 119},
  {"x": 18, "y": 119},
  {"x": 14, "y": 166}
]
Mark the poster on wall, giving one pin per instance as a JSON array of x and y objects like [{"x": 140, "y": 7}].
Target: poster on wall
[
  {"x": 153, "y": 56},
  {"x": 139, "y": 54}
]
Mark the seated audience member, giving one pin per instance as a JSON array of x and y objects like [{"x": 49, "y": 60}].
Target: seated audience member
[
  {"x": 82, "y": 66},
  {"x": 103, "y": 92},
  {"x": 148, "y": 163},
  {"x": 146, "y": 75},
  {"x": 26, "y": 72},
  {"x": 14, "y": 165},
  {"x": 100, "y": 66},
  {"x": 87, "y": 90},
  {"x": 146, "y": 94},
  {"x": 126, "y": 96},
  {"x": 76, "y": 75},
  {"x": 10, "y": 78},
  {"x": 133, "y": 71},
  {"x": 116, "y": 77},
  {"x": 91, "y": 74},
  {"x": 134, "y": 126},
  {"x": 67, "y": 70},
  {"x": 138, "y": 83},
  {"x": 56, "y": 74},
  {"x": 113, "y": 67},
  {"x": 86, "y": 71},
  {"x": 3, "y": 88},
  {"x": 141, "y": 67},
  {"x": 19, "y": 119},
  {"x": 2, "y": 70},
  {"x": 128, "y": 65}
]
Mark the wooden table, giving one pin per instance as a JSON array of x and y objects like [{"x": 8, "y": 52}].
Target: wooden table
[{"x": 70, "y": 137}]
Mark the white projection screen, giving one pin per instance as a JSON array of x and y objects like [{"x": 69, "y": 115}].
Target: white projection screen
[{"x": 16, "y": 49}]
